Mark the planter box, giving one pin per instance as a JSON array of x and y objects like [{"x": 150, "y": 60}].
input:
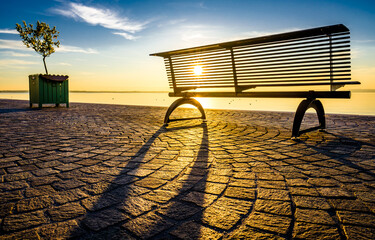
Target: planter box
[{"x": 48, "y": 89}]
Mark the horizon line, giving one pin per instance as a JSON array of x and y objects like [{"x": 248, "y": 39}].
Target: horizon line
[
  {"x": 84, "y": 91},
  {"x": 140, "y": 91}
]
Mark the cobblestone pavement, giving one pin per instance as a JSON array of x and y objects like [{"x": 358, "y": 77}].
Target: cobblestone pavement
[{"x": 114, "y": 172}]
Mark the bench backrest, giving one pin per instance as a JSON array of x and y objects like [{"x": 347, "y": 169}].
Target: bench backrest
[{"x": 319, "y": 56}]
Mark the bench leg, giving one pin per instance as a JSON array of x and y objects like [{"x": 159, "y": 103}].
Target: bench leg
[
  {"x": 180, "y": 102},
  {"x": 301, "y": 110}
]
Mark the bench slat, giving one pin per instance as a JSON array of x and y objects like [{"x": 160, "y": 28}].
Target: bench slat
[
  {"x": 334, "y": 29},
  {"x": 294, "y": 94}
]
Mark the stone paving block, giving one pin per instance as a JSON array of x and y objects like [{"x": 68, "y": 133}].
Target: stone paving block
[
  {"x": 303, "y": 230},
  {"x": 269, "y": 222},
  {"x": 10, "y": 196},
  {"x": 200, "y": 199},
  {"x": 67, "y": 211},
  {"x": 124, "y": 180},
  {"x": 271, "y": 184},
  {"x": 349, "y": 204},
  {"x": 140, "y": 172},
  {"x": 221, "y": 172},
  {"x": 311, "y": 202},
  {"x": 44, "y": 180},
  {"x": 240, "y": 192},
  {"x": 323, "y": 182},
  {"x": 150, "y": 182},
  {"x": 217, "y": 179},
  {"x": 358, "y": 232},
  {"x": 147, "y": 225},
  {"x": 313, "y": 216},
  {"x": 136, "y": 205},
  {"x": 100, "y": 201},
  {"x": 274, "y": 207},
  {"x": 166, "y": 175},
  {"x": 220, "y": 218},
  {"x": 11, "y": 186},
  {"x": 6, "y": 209},
  {"x": 25, "y": 168},
  {"x": 298, "y": 182},
  {"x": 192, "y": 230},
  {"x": 17, "y": 176},
  {"x": 237, "y": 205},
  {"x": 303, "y": 191},
  {"x": 24, "y": 220},
  {"x": 68, "y": 167},
  {"x": 97, "y": 188},
  {"x": 31, "y": 204},
  {"x": 249, "y": 183},
  {"x": 45, "y": 172},
  {"x": 26, "y": 234},
  {"x": 160, "y": 196},
  {"x": 69, "y": 196},
  {"x": 371, "y": 206},
  {"x": 67, "y": 184},
  {"x": 102, "y": 219},
  {"x": 85, "y": 162},
  {"x": 273, "y": 194},
  {"x": 357, "y": 218},
  {"x": 61, "y": 230},
  {"x": 209, "y": 187},
  {"x": 179, "y": 210},
  {"x": 45, "y": 190},
  {"x": 366, "y": 196},
  {"x": 270, "y": 176},
  {"x": 357, "y": 188},
  {"x": 247, "y": 232},
  {"x": 334, "y": 192}
]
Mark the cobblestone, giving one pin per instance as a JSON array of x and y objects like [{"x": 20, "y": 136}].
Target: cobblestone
[{"x": 95, "y": 171}]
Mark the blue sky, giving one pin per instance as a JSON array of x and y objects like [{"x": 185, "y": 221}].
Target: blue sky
[{"x": 105, "y": 45}]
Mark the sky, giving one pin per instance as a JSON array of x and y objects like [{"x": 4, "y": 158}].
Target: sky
[{"x": 105, "y": 45}]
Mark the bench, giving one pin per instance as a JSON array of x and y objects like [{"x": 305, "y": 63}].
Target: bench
[{"x": 309, "y": 64}]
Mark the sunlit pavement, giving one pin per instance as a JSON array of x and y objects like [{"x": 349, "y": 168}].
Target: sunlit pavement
[{"x": 114, "y": 172}]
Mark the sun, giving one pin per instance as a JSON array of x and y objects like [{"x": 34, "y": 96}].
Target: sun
[{"x": 198, "y": 70}]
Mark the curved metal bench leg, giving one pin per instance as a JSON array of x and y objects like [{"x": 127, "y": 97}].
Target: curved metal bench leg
[
  {"x": 180, "y": 102},
  {"x": 301, "y": 110}
]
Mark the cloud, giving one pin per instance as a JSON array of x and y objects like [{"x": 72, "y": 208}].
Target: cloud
[
  {"x": 18, "y": 45},
  {"x": 15, "y": 63},
  {"x": 198, "y": 34},
  {"x": 16, "y": 54},
  {"x": 364, "y": 41},
  {"x": 176, "y": 21},
  {"x": 187, "y": 4},
  {"x": 126, "y": 35},
  {"x": 9, "y": 31},
  {"x": 13, "y": 44},
  {"x": 253, "y": 34},
  {"x": 72, "y": 49},
  {"x": 65, "y": 64},
  {"x": 102, "y": 17}
]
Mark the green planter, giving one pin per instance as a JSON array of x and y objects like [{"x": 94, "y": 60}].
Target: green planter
[{"x": 48, "y": 89}]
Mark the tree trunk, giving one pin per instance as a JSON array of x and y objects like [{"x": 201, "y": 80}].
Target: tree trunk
[{"x": 45, "y": 66}]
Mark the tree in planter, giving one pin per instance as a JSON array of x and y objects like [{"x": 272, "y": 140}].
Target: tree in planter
[{"x": 41, "y": 39}]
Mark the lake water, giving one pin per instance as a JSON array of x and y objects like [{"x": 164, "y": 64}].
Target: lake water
[{"x": 361, "y": 103}]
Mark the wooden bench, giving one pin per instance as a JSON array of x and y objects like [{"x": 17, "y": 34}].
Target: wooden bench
[{"x": 297, "y": 61}]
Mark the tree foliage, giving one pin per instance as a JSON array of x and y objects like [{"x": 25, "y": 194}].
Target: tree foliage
[{"x": 41, "y": 39}]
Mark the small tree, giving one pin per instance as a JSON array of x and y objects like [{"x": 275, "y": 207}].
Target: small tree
[{"x": 40, "y": 39}]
